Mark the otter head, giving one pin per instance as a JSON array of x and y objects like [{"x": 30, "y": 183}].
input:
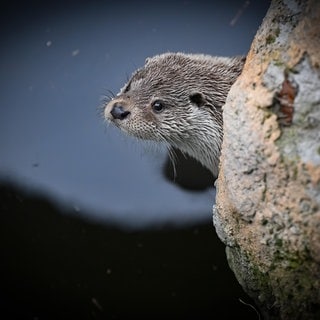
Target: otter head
[{"x": 176, "y": 98}]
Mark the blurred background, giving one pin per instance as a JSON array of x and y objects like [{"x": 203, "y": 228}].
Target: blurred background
[{"x": 93, "y": 224}]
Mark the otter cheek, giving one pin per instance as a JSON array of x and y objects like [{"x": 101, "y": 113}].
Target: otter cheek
[{"x": 141, "y": 129}]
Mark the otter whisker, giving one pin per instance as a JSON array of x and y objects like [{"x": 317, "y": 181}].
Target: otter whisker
[
  {"x": 171, "y": 153},
  {"x": 109, "y": 95},
  {"x": 105, "y": 99},
  {"x": 100, "y": 112},
  {"x": 173, "y": 158}
]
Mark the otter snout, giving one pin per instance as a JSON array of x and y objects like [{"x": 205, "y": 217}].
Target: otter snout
[{"x": 118, "y": 112}]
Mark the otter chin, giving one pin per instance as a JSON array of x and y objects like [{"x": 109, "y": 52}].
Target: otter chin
[{"x": 177, "y": 99}]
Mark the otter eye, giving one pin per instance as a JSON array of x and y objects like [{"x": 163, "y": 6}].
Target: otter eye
[{"x": 157, "y": 106}]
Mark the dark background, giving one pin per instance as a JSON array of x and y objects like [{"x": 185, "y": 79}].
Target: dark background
[{"x": 92, "y": 225}]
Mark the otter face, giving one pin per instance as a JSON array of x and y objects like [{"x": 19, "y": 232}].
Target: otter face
[
  {"x": 164, "y": 100},
  {"x": 177, "y": 98}
]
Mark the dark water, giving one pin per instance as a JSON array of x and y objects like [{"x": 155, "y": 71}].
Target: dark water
[
  {"x": 92, "y": 225},
  {"x": 57, "y": 266}
]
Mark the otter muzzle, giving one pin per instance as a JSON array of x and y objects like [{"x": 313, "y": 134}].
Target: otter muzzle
[{"x": 118, "y": 112}]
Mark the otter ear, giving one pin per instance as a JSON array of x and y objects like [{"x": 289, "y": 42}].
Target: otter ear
[{"x": 197, "y": 98}]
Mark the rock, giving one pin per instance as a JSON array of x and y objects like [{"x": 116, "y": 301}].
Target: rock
[{"x": 268, "y": 189}]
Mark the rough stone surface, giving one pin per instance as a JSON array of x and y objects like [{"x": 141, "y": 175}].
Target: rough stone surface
[{"x": 268, "y": 189}]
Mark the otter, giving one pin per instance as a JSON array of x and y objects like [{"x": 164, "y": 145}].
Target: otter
[{"x": 177, "y": 98}]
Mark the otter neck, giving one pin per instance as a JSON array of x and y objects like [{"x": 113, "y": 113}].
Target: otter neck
[{"x": 203, "y": 148}]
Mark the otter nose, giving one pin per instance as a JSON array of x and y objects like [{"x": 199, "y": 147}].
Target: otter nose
[{"x": 118, "y": 112}]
